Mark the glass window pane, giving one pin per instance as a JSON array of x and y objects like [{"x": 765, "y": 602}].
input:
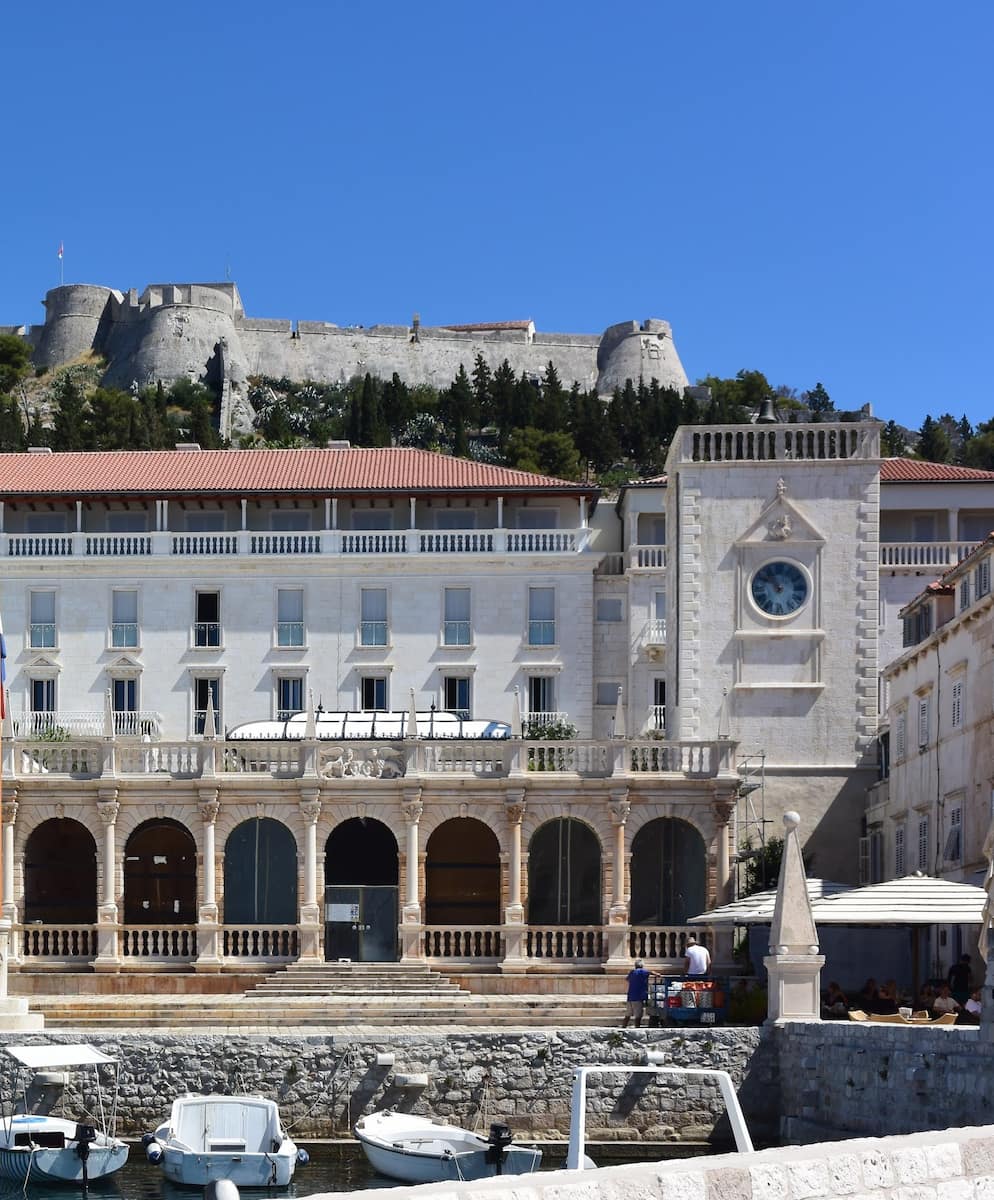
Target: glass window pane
[
  {"x": 42, "y": 607},
  {"x": 125, "y": 606}
]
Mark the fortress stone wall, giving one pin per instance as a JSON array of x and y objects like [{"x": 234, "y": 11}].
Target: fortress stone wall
[{"x": 200, "y": 331}]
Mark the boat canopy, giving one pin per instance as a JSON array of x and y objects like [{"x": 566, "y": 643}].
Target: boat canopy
[
  {"x": 40, "y": 1058},
  {"x": 369, "y": 726}
]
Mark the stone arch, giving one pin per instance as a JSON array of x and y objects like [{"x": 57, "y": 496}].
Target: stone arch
[
  {"x": 160, "y": 874},
  {"x": 60, "y": 873},
  {"x": 564, "y": 874},
  {"x": 260, "y": 874},
  {"x": 362, "y": 850},
  {"x": 462, "y": 874},
  {"x": 669, "y": 872}
]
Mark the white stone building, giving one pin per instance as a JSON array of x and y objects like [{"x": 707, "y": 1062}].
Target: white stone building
[{"x": 151, "y": 598}]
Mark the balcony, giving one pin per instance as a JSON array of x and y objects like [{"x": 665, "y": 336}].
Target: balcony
[
  {"x": 81, "y": 751},
  {"x": 923, "y": 556},
  {"x": 247, "y": 543}
]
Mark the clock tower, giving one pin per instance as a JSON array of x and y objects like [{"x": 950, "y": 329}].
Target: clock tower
[{"x": 773, "y": 588}]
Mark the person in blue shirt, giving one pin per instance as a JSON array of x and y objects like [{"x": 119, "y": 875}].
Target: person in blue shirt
[{"x": 638, "y": 993}]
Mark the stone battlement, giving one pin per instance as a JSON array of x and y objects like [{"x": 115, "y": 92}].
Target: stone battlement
[{"x": 194, "y": 331}]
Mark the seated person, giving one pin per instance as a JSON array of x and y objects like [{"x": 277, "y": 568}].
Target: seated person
[
  {"x": 945, "y": 1002},
  {"x": 887, "y": 999},
  {"x": 867, "y": 999},
  {"x": 834, "y": 1003},
  {"x": 971, "y": 1010},
  {"x": 926, "y": 998}
]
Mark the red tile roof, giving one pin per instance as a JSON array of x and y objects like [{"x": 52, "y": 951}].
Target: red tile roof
[
  {"x": 142, "y": 472},
  {"x": 913, "y": 470}
]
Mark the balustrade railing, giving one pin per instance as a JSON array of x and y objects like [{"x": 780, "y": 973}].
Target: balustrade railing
[
  {"x": 247, "y": 542},
  {"x": 159, "y": 941},
  {"x": 771, "y": 443},
  {"x": 564, "y": 943},
  {"x": 472, "y": 942},
  {"x": 59, "y": 942},
  {"x": 656, "y": 942},
  {"x": 654, "y": 633},
  {"x": 924, "y": 554},
  {"x": 60, "y": 725},
  {"x": 110, "y": 757},
  {"x": 260, "y": 941},
  {"x": 647, "y": 558},
  {"x": 571, "y": 758}
]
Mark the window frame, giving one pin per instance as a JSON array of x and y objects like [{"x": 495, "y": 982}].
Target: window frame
[
  {"x": 279, "y": 643},
  {"x": 448, "y": 623},
  {"x": 367, "y": 624},
  {"x": 113, "y": 643},
  {"x": 52, "y": 625},
  {"x": 538, "y": 625},
  {"x": 202, "y": 628}
]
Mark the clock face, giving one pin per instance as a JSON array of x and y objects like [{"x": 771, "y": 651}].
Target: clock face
[{"x": 779, "y": 588}]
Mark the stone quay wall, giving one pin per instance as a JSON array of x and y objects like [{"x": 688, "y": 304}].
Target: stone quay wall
[
  {"x": 524, "y": 1078},
  {"x": 954, "y": 1164},
  {"x": 844, "y": 1078}
]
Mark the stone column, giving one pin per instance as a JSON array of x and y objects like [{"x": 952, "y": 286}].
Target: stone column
[
  {"x": 310, "y": 909},
  {"x": 9, "y": 912},
  {"x": 793, "y": 965},
  {"x": 209, "y": 956},
  {"x": 723, "y": 947},
  {"x": 618, "y": 929},
  {"x": 411, "y": 928},
  {"x": 108, "y": 951},
  {"x": 514, "y": 959}
]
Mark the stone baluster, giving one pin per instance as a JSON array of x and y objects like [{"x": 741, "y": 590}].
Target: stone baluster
[
  {"x": 618, "y": 958},
  {"x": 209, "y": 956},
  {"x": 411, "y": 927},
  {"x": 108, "y": 954},
  {"x": 514, "y": 959},
  {"x": 310, "y": 909}
]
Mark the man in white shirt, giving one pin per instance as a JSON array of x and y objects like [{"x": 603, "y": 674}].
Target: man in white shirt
[{"x": 697, "y": 960}]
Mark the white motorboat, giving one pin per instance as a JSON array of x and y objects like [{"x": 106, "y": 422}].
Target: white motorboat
[
  {"x": 37, "y": 1147},
  {"x": 418, "y": 1150},
  {"x": 238, "y": 1138}
]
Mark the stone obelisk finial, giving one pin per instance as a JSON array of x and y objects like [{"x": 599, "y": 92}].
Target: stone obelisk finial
[{"x": 793, "y": 965}]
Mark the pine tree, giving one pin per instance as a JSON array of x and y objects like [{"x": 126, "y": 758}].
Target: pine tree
[
  {"x": 933, "y": 442},
  {"x": 502, "y": 394},
  {"x": 482, "y": 384}
]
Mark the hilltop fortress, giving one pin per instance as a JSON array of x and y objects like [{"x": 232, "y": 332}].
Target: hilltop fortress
[{"x": 200, "y": 331}]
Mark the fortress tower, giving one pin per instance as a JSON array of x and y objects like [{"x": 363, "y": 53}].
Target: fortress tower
[{"x": 199, "y": 331}]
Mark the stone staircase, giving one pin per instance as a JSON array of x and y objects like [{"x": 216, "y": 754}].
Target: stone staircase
[{"x": 330, "y": 996}]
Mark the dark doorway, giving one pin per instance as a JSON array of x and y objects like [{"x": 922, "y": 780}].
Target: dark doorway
[
  {"x": 361, "y": 902},
  {"x": 160, "y": 875},
  {"x": 669, "y": 873},
  {"x": 60, "y": 874},
  {"x": 462, "y": 874},
  {"x": 260, "y": 874},
  {"x": 564, "y": 874}
]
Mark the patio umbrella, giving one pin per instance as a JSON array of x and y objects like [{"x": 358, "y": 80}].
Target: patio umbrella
[
  {"x": 210, "y": 721},
  {"x": 757, "y": 909},
  {"x": 310, "y": 725},
  {"x": 914, "y": 900},
  {"x": 619, "y": 715},
  {"x": 516, "y": 714}
]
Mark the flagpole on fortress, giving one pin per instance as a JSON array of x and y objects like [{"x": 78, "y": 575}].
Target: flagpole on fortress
[{"x": 62, "y": 272}]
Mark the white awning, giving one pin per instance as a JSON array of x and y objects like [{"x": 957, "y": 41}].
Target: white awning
[
  {"x": 757, "y": 909},
  {"x": 913, "y": 900},
  {"x": 40, "y": 1058}
]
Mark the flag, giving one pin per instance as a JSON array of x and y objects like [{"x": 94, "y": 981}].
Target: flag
[
  {"x": 60, "y": 250},
  {"x": 3, "y": 673}
]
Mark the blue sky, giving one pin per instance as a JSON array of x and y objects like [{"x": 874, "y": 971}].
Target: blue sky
[{"x": 799, "y": 188}]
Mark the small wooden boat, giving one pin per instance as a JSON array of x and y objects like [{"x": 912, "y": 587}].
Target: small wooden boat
[
  {"x": 237, "y": 1138},
  {"x": 418, "y": 1150},
  {"x": 37, "y": 1147}
]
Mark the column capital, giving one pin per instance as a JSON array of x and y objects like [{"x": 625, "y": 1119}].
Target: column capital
[
  {"x": 721, "y": 811},
  {"x": 515, "y": 805},
  {"x": 10, "y": 812},
  {"x": 619, "y": 806},
  {"x": 209, "y": 809},
  {"x": 310, "y": 806},
  {"x": 108, "y": 810},
  {"x": 411, "y": 805}
]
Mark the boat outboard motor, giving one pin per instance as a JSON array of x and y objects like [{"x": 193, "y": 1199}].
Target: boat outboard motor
[
  {"x": 85, "y": 1134},
  {"x": 43, "y": 1093},
  {"x": 499, "y": 1138}
]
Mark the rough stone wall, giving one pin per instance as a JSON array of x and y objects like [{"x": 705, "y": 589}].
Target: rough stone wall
[
  {"x": 955, "y": 1164},
  {"x": 871, "y": 1079},
  {"x": 323, "y": 1083}
]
